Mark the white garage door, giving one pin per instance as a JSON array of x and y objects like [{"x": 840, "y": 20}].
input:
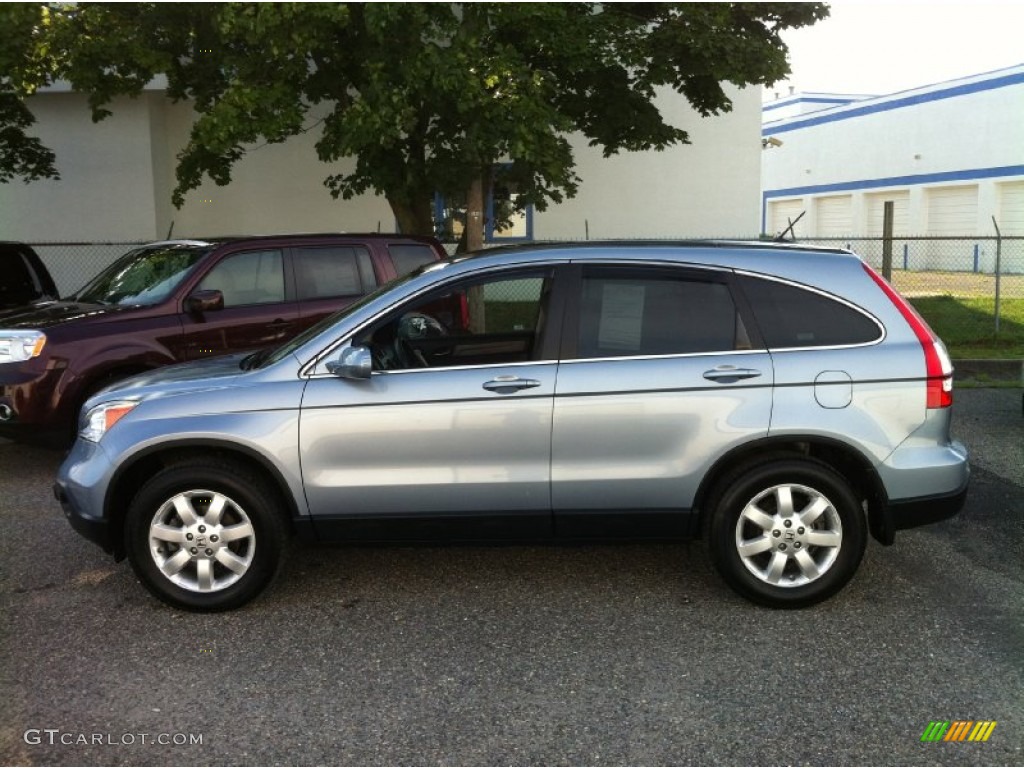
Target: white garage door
[
  {"x": 953, "y": 211},
  {"x": 782, "y": 212},
  {"x": 1011, "y": 208},
  {"x": 835, "y": 216},
  {"x": 876, "y": 212}
]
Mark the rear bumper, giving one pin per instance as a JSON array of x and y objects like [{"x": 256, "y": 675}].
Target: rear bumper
[
  {"x": 910, "y": 513},
  {"x": 888, "y": 517}
]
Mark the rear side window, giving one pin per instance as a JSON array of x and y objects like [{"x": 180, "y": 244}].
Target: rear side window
[
  {"x": 333, "y": 271},
  {"x": 410, "y": 256},
  {"x": 656, "y": 314},
  {"x": 789, "y": 316}
]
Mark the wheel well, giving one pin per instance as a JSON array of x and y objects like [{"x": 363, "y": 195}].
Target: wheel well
[
  {"x": 130, "y": 479},
  {"x": 94, "y": 383},
  {"x": 849, "y": 463}
]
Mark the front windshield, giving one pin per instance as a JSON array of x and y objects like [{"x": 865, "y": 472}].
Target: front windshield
[{"x": 144, "y": 276}]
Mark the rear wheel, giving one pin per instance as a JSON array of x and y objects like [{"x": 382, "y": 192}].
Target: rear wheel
[
  {"x": 205, "y": 537},
  {"x": 788, "y": 533}
]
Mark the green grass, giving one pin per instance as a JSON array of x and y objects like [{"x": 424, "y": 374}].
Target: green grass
[{"x": 967, "y": 325}]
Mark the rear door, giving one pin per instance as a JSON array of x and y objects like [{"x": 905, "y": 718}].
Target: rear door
[{"x": 662, "y": 374}]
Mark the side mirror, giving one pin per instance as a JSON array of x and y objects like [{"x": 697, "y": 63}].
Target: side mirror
[
  {"x": 352, "y": 363},
  {"x": 204, "y": 301}
]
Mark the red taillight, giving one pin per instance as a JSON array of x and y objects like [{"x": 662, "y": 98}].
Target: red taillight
[{"x": 938, "y": 367}]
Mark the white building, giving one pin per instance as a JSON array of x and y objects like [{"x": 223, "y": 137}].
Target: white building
[
  {"x": 117, "y": 177},
  {"x": 950, "y": 156}
]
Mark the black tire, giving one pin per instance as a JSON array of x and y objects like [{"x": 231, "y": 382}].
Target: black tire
[
  {"x": 157, "y": 532},
  {"x": 786, "y": 561}
]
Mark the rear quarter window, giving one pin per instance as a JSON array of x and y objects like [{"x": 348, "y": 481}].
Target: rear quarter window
[{"x": 790, "y": 316}]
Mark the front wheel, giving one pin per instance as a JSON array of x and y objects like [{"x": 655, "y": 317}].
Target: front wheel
[
  {"x": 788, "y": 533},
  {"x": 205, "y": 536}
]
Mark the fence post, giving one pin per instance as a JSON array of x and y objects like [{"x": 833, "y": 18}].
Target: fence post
[
  {"x": 887, "y": 220},
  {"x": 976, "y": 254},
  {"x": 999, "y": 254},
  {"x": 906, "y": 256}
]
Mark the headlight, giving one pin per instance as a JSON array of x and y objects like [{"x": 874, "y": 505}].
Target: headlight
[
  {"x": 101, "y": 418},
  {"x": 18, "y": 346}
]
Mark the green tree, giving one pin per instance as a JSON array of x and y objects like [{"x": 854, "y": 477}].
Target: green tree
[
  {"x": 25, "y": 65},
  {"x": 425, "y": 97}
]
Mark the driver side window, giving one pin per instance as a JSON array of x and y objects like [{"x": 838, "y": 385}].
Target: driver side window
[{"x": 494, "y": 321}]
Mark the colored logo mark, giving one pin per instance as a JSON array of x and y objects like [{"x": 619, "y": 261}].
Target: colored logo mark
[{"x": 958, "y": 730}]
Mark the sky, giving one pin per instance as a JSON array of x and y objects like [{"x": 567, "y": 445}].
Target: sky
[{"x": 876, "y": 48}]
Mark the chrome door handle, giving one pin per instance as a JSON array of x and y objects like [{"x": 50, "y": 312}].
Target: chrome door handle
[
  {"x": 726, "y": 374},
  {"x": 506, "y": 384}
]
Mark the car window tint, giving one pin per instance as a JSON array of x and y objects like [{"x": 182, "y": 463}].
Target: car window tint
[
  {"x": 253, "y": 277},
  {"x": 410, "y": 256},
  {"x": 656, "y": 315},
  {"x": 333, "y": 271},
  {"x": 789, "y": 316}
]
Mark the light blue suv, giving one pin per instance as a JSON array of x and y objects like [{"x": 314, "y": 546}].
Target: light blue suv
[{"x": 779, "y": 401}]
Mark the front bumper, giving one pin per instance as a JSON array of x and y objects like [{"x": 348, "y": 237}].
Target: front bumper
[
  {"x": 34, "y": 402},
  {"x": 96, "y": 530},
  {"x": 81, "y": 487}
]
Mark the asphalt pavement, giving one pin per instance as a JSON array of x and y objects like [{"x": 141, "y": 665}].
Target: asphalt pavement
[{"x": 586, "y": 655}]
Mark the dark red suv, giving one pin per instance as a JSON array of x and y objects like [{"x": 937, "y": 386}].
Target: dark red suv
[{"x": 182, "y": 300}]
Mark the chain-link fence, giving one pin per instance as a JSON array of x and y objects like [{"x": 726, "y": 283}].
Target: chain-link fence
[
  {"x": 945, "y": 266},
  {"x": 921, "y": 266}
]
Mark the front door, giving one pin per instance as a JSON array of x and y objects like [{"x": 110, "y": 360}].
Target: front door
[
  {"x": 256, "y": 313},
  {"x": 453, "y": 427}
]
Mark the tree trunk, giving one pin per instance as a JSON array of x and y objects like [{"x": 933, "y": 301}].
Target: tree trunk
[
  {"x": 475, "y": 214},
  {"x": 413, "y": 218}
]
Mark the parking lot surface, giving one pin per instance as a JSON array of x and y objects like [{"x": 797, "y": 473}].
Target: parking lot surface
[{"x": 596, "y": 655}]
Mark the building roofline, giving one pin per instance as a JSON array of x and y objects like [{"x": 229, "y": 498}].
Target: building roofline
[
  {"x": 1000, "y": 78},
  {"x": 817, "y": 98}
]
